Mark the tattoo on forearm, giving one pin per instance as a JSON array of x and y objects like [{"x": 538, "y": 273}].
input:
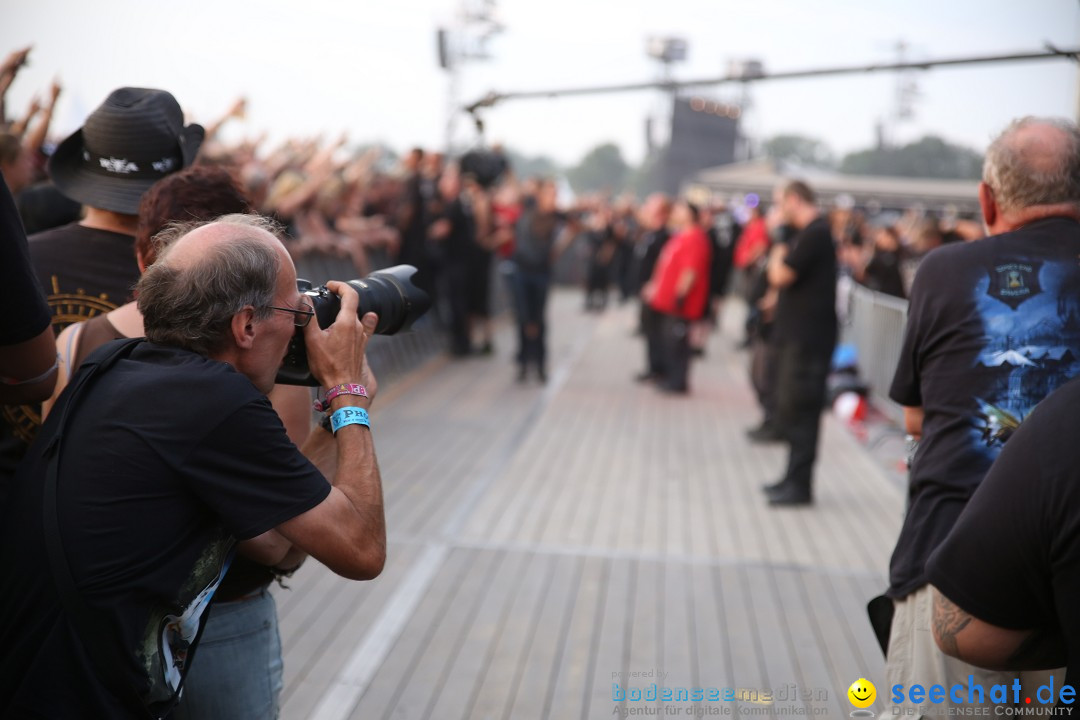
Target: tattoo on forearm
[{"x": 949, "y": 620}]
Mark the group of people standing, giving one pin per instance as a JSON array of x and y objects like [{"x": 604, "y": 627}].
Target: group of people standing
[
  {"x": 114, "y": 599},
  {"x": 106, "y": 584},
  {"x": 983, "y": 580},
  {"x": 789, "y": 271}
]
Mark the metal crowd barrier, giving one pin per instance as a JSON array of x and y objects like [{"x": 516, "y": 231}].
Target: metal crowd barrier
[
  {"x": 390, "y": 357},
  {"x": 875, "y": 326},
  {"x": 393, "y": 357}
]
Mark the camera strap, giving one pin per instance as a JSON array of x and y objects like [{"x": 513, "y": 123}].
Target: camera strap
[{"x": 99, "y": 644}]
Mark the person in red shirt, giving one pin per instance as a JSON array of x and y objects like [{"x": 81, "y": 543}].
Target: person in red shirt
[
  {"x": 753, "y": 243},
  {"x": 678, "y": 292}
]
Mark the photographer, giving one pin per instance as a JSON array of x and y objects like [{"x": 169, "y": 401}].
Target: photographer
[
  {"x": 240, "y": 670},
  {"x": 108, "y": 572}
]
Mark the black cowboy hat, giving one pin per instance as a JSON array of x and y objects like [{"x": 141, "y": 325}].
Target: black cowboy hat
[{"x": 135, "y": 138}]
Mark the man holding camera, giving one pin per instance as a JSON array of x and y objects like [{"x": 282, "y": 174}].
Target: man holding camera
[{"x": 122, "y": 521}]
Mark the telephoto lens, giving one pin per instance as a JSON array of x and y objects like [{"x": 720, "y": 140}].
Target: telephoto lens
[{"x": 388, "y": 293}]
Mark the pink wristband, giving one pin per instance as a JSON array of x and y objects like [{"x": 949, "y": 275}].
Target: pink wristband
[{"x": 351, "y": 389}]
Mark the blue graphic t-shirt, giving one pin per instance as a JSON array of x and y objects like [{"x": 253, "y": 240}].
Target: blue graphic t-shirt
[{"x": 993, "y": 328}]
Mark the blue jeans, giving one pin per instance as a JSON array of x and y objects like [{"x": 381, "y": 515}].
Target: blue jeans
[
  {"x": 530, "y": 289},
  {"x": 237, "y": 672}
]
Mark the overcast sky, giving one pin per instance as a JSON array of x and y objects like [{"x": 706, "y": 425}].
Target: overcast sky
[{"x": 371, "y": 68}]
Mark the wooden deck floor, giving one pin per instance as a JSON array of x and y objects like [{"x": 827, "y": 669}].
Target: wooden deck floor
[{"x": 547, "y": 542}]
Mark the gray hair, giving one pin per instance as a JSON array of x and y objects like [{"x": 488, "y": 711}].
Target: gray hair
[
  {"x": 192, "y": 306},
  {"x": 1019, "y": 183}
]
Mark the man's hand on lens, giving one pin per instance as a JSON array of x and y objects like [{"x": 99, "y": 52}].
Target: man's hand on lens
[{"x": 336, "y": 354}]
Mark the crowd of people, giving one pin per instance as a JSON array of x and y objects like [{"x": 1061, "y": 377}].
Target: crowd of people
[
  {"x": 984, "y": 576},
  {"x": 177, "y": 382}
]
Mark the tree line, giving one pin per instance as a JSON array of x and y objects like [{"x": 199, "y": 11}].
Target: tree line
[{"x": 604, "y": 167}]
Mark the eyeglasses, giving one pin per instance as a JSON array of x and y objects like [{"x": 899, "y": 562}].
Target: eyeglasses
[{"x": 300, "y": 317}]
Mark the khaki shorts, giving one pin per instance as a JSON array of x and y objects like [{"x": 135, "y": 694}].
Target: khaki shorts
[{"x": 914, "y": 659}]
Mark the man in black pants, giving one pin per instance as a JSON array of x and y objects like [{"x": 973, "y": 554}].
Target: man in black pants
[
  {"x": 654, "y": 220},
  {"x": 805, "y": 333}
]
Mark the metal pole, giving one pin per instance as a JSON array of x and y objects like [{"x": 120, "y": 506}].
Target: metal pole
[{"x": 1051, "y": 53}]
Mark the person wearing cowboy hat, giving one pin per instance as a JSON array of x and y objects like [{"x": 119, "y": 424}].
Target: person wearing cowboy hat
[{"x": 135, "y": 138}]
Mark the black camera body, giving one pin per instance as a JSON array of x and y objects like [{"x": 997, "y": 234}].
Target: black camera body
[{"x": 389, "y": 293}]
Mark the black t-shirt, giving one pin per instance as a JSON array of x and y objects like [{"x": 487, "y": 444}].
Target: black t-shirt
[
  {"x": 723, "y": 252},
  {"x": 993, "y": 327},
  {"x": 534, "y": 240},
  {"x": 84, "y": 272},
  {"x": 806, "y": 309},
  {"x": 883, "y": 273},
  {"x": 28, "y": 315},
  {"x": 459, "y": 247},
  {"x": 1013, "y": 558},
  {"x": 648, "y": 250},
  {"x": 168, "y": 459}
]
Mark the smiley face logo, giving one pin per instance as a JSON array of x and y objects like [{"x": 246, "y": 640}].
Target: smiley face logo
[{"x": 862, "y": 693}]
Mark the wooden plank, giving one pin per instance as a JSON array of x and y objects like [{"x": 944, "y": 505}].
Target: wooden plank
[
  {"x": 775, "y": 638},
  {"x": 386, "y": 688},
  {"x": 712, "y": 640},
  {"x": 316, "y": 654},
  {"x": 816, "y": 688},
  {"x": 573, "y": 477},
  {"x": 304, "y": 590},
  {"x": 739, "y": 615},
  {"x": 608, "y": 665},
  {"x": 645, "y": 629},
  {"x": 678, "y": 656},
  {"x": 843, "y": 641},
  {"x": 552, "y": 473},
  {"x": 517, "y": 630},
  {"x": 617, "y": 490},
  {"x": 574, "y": 673},
  {"x": 535, "y": 680},
  {"x": 465, "y": 669},
  {"x": 584, "y": 510}
]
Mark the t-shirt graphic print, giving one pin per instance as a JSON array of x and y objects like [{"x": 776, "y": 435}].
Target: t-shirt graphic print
[{"x": 1030, "y": 311}]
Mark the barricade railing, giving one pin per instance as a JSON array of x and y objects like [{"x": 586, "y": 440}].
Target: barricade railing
[
  {"x": 393, "y": 357},
  {"x": 390, "y": 357},
  {"x": 875, "y": 326}
]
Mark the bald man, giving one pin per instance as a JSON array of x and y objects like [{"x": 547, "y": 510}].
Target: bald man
[
  {"x": 993, "y": 327},
  {"x": 172, "y": 459}
]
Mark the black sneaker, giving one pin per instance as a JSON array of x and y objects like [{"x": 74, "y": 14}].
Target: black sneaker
[
  {"x": 765, "y": 433},
  {"x": 790, "y": 496},
  {"x": 773, "y": 488}
]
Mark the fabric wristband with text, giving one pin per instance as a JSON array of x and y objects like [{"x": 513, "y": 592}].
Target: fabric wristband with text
[
  {"x": 349, "y": 416},
  {"x": 350, "y": 389}
]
